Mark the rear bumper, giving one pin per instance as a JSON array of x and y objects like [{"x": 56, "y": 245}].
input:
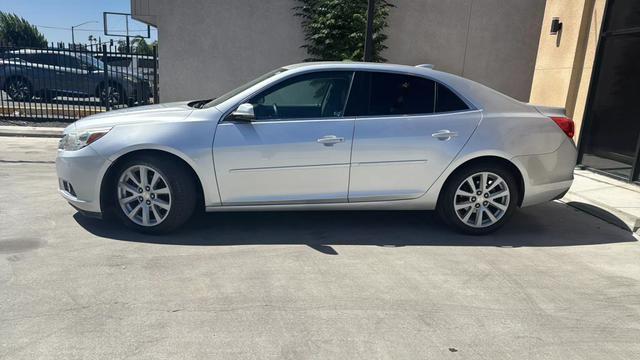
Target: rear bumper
[{"x": 548, "y": 176}]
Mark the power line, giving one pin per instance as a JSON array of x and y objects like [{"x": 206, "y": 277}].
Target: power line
[{"x": 92, "y": 30}]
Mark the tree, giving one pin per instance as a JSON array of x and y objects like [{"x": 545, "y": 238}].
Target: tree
[
  {"x": 335, "y": 29},
  {"x": 138, "y": 46},
  {"x": 16, "y": 31}
]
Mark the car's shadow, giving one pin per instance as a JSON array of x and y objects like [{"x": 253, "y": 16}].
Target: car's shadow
[{"x": 552, "y": 224}]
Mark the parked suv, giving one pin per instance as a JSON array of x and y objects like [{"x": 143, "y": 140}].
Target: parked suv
[{"x": 46, "y": 74}]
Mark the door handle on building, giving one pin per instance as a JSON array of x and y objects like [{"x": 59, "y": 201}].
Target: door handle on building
[
  {"x": 444, "y": 135},
  {"x": 329, "y": 140}
]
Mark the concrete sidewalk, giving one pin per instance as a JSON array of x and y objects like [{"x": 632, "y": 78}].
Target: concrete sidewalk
[{"x": 612, "y": 200}]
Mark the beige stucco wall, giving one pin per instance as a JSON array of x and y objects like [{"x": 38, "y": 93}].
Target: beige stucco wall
[
  {"x": 209, "y": 46},
  {"x": 490, "y": 41},
  {"x": 564, "y": 62}
]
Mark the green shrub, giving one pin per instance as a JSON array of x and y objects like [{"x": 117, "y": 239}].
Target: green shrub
[{"x": 335, "y": 29}]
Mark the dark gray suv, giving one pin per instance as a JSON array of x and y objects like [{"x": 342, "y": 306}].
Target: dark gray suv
[{"x": 49, "y": 73}]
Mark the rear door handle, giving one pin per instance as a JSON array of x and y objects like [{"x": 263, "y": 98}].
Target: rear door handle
[
  {"x": 329, "y": 140},
  {"x": 444, "y": 135}
]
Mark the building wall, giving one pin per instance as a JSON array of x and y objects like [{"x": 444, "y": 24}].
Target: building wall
[
  {"x": 493, "y": 42},
  {"x": 564, "y": 61},
  {"x": 210, "y": 46}
]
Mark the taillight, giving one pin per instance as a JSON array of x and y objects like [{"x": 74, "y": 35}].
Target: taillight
[{"x": 565, "y": 124}]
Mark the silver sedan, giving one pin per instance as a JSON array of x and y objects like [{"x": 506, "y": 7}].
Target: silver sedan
[{"x": 322, "y": 136}]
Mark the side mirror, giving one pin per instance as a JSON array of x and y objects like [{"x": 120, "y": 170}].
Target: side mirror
[{"x": 244, "y": 112}]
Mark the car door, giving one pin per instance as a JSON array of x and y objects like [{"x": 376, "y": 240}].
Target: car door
[
  {"x": 76, "y": 75},
  {"x": 45, "y": 74},
  {"x": 407, "y": 131},
  {"x": 297, "y": 149}
]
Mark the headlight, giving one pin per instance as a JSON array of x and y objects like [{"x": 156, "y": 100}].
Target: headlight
[{"x": 75, "y": 141}]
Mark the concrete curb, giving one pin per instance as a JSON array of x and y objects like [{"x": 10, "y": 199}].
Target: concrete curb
[
  {"x": 31, "y": 131},
  {"x": 612, "y": 215}
]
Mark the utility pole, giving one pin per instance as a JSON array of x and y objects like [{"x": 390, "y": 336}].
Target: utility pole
[
  {"x": 127, "y": 26},
  {"x": 368, "y": 40},
  {"x": 73, "y": 38}
]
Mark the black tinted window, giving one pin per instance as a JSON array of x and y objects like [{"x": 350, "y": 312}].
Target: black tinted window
[
  {"x": 446, "y": 100},
  {"x": 396, "y": 94},
  {"x": 46, "y": 59},
  {"x": 315, "y": 95},
  {"x": 69, "y": 61}
]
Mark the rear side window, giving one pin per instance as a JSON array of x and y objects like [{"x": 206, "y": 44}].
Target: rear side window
[
  {"x": 380, "y": 94},
  {"x": 396, "y": 94},
  {"x": 446, "y": 100}
]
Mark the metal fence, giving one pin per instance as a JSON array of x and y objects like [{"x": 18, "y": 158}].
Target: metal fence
[{"x": 65, "y": 84}]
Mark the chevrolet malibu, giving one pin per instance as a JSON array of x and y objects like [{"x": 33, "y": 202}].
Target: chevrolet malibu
[{"x": 322, "y": 136}]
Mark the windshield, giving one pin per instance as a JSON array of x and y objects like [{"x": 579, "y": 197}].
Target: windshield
[{"x": 219, "y": 100}]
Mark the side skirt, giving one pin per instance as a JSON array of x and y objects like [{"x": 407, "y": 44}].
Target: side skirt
[{"x": 415, "y": 204}]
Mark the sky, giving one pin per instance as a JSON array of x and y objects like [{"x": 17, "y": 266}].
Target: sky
[{"x": 54, "y": 18}]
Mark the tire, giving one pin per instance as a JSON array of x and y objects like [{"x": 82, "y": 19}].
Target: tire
[
  {"x": 19, "y": 89},
  {"x": 459, "y": 209},
  {"x": 117, "y": 96},
  {"x": 174, "y": 187}
]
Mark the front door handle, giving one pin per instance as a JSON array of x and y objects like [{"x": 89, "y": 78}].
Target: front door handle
[
  {"x": 329, "y": 140},
  {"x": 444, "y": 135}
]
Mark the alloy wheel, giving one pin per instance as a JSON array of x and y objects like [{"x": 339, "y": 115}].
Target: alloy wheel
[
  {"x": 144, "y": 195},
  {"x": 481, "y": 200},
  {"x": 111, "y": 94},
  {"x": 19, "y": 90}
]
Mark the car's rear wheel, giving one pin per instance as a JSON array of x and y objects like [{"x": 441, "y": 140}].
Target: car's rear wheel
[
  {"x": 18, "y": 89},
  {"x": 111, "y": 93},
  {"x": 153, "y": 195},
  {"x": 479, "y": 199}
]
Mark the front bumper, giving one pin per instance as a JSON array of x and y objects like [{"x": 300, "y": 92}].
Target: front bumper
[{"x": 79, "y": 177}]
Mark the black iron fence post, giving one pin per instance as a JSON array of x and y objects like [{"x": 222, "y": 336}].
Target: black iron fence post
[
  {"x": 156, "y": 98},
  {"x": 368, "y": 39},
  {"x": 106, "y": 88}
]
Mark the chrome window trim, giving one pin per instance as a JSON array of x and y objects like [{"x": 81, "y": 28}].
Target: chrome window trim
[{"x": 418, "y": 115}]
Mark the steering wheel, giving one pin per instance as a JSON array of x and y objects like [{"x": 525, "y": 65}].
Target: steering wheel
[{"x": 275, "y": 110}]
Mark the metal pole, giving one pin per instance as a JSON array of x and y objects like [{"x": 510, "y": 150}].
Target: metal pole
[
  {"x": 156, "y": 97},
  {"x": 107, "y": 88},
  {"x": 368, "y": 40},
  {"x": 127, "y": 26},
  {"x": 73, "y": 38}
]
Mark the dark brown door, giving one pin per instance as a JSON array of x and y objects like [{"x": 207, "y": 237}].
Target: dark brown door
[{"x": 610, "y": 140}]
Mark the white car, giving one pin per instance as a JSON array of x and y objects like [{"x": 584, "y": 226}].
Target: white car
[{"x": 322, "y": 136}]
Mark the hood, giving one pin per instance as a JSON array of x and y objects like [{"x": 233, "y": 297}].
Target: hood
[{"x": 175, "y": 111}]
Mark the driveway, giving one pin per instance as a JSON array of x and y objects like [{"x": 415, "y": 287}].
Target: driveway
[{"x": 555, "y": 283}]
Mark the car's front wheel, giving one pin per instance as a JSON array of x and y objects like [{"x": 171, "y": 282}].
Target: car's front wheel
[
  {"x": 479, "y": 199},
  {"x": 18, "y": 89},
  {"x": 153, "y": 194}
]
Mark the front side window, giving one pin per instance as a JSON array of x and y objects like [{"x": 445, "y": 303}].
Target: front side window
[
  {"x": 315, "y": 95},
  {"x": 69, "y": 62},
  {"x": 45, "y": 59}
]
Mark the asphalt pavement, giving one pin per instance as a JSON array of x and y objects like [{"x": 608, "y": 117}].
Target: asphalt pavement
[{"x": 554, "y": 283}]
